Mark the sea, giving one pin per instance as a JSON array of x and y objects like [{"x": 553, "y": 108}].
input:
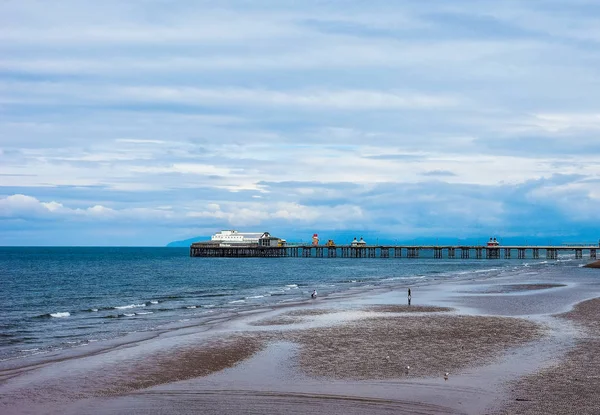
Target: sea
[{"x": 55, "y": 298}]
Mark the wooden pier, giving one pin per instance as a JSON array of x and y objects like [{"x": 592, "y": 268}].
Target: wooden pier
[{"x": 393, "y": 251}]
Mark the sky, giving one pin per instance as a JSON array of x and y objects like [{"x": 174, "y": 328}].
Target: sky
[{"x": 143, "y": 122}]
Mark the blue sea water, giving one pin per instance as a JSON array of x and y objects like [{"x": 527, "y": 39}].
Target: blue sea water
[{"x": 54, "y": 298}]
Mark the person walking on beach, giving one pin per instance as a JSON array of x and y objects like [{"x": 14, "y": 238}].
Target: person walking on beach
[
  {"x": 314, "y": 294},
  {"x": 409, "y": 297}
]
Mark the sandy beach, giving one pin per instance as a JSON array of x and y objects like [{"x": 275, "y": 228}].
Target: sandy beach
[
  {"x": 595, "y": 264},
  {"x": 507, "y": 346}
]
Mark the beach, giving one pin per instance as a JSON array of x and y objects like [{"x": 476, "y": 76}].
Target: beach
[{"x": 520, "y": 342}]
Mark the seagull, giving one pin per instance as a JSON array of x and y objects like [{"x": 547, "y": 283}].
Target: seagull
[
  {"x": 407, "y": 369},
  {"x": 387, "y": 357},
  {"x": 446, "y": 376}
]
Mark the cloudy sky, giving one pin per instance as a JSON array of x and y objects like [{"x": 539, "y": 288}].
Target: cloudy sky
[{"x": 143, "y": 122}]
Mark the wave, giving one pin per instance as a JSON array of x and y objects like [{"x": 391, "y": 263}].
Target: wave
[
  {"x": 236, "y": 301},
  {"x": 257, "y": 296},
  {"x": 60, "y": 314},
  {"x": 126, "y": 307},
  {"x": 191, "y": 306},
  {"x": 292, "y": 285},
  {"x": 151, "y": 302},
  {"x": 142, "y": 313},
  {"x": 124, "y": 315}
]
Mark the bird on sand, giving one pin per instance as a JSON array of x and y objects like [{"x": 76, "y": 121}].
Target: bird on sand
[
  {"x": 407, "y": 369},
  {"x": 446, "y": 376}
]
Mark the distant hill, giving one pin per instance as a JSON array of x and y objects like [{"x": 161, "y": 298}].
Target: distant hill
[{"x": 187, "y": 242}]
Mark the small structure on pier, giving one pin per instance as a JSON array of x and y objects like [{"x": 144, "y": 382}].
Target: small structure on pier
[
  {"x": 233, "y": 238},
  {"x": 356, "y": 243},
  {"x": 267, "y": 240},
  {"x": 315, "y": 239},
  {"x": 493, "y": 242}
]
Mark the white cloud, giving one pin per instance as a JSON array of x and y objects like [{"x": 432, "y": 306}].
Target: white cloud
[{"x": 203, "y": 114}]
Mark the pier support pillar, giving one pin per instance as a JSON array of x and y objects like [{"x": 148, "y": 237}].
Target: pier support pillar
[
  {"x": 437, "y": 252},
  {"x": 319, "y": 252},
  {"x": 492, "y": 253},
  {"x": 306, "y": 252},
  {"x": 479, "y": 253},
  {"x": 397, "y": 252},
  {"x": 592, "y": 253},
  {"x": 578, "y": 253},
  {"x": 551, "y": 253},
  {"x": 385, "y": 252},
  {"x": 521, "y": 253},
  {"x": 506, "y": 253},
  {"x": 331, "y": 252},
  {"x": 465, "y": 252},
  {"x": 451, "y": 253},
  {"x": 413, "y": 252},
  {"x": 536, "y": 253}
]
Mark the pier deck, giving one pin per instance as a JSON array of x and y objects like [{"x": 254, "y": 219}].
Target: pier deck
[{"x": 394, "y": 251}]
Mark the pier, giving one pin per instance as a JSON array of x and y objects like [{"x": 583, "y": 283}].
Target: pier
[{"x": 203, "y": 249}]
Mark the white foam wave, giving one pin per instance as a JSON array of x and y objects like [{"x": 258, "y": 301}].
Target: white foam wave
[
  {"x": 255, "y": 296},
  {"x": 129, "y": 314},
  {"x": 153, "y": 302},
  {"x": 125, "y": 307},
  {"x": 60, "y": 315},
  {"x": 208, "y": 306},
  {"x": 93, "y": 309},
  {"x": 141, "y": 313},
  {"x": 191, "y": 306},
  {"x": 237, "y": 301},
  {"x": 292, "y": 285},
  {"x": 29, "y": 350}
]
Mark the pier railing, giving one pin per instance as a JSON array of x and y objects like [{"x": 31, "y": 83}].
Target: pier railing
[{"x": 395, "y": 251}]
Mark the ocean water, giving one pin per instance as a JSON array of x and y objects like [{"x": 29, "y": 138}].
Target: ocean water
[{"x": 56, "y": 298}]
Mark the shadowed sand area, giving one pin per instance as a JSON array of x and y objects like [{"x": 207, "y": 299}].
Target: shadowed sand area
[
  {"x": 571, "y": 385},
  {"x": 513, "y": 288},
  {"x": 116, "y": 377},
  {"x": 382, "y": 347},
  {"x": 595, "y": 264},
  {"x": 407, "y": 309}
]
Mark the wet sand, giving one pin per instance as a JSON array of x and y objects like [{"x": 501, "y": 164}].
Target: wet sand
[
  {"x": 572, "y": 384},
  {"x": 346, "y": 356},
  {"x": 595, "y": 264},
  {"x": 517, "y": 288}
]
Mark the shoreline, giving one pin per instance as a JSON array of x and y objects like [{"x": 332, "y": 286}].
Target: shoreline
[{"x": 145, "y": 368}]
